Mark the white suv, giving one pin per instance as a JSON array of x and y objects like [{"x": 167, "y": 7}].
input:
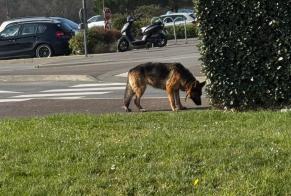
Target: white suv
[
  {"x": 96, "y": 21},
  {"x": 179, "y": 18}
]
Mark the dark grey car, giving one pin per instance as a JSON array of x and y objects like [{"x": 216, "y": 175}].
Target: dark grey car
[{"x": 35, "y": 39}]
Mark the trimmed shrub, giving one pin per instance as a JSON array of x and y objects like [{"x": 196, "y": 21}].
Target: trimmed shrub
[
  {"x": 99, "y": 41},
  {"x": 150, "y": 11},
  {"x": 145, "y": 13},
  {"x": 118, "y": 20},
  {"x": 246, "y": 48}
]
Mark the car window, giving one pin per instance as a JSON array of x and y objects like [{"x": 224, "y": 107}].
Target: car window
[
  {"x": 41, "y": 28},
  {"x": 179, "y": 18},
  {"x": 28, "y": 29},
  {"x": 11, "y": 31},
  {"x": 66, "y": 27},
  {"x": 3, "y": 25},
  {"x": 167, "y": 19},
  {"x": 71, "y": 24},
  {"x": 68, "y": 23}
]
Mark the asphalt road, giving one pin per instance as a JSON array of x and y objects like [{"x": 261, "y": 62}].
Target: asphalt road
[{"x": 76, "y": 84}]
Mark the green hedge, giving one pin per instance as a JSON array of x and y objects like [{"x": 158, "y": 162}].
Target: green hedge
[
  {"x": 246, "y": 48},
  {"x": 99, "y": 41}
]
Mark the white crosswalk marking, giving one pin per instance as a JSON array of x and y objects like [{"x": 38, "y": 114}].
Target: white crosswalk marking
[
  {"x": 12, "y": 100},
  {"x": 80, "y": 91},
  {"x": 67, "y": 98},
  {"x": 7, "y": 92},
  {"x": 84, "y": 89},
  {"x": 99, "y": 84},
  {"x": 59, "y": 94}
]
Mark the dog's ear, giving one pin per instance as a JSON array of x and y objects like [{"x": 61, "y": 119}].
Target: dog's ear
[{"x": 202, "y": 84}]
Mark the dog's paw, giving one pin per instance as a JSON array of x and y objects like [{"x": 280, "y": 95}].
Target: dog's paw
[
  {"x": 182, "y": 108},
  {"x": 142, "y": 110},
  {"x": 126, "y": 109},
  {"x": 175, "y": 109}
]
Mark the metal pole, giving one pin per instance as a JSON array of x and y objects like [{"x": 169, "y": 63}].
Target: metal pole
[
  {"x": 175, "y": 35},
  {"x": 185, "y": 27},
  {"x": 7, "y": 10},
  {"x": 85, "y": 27}
]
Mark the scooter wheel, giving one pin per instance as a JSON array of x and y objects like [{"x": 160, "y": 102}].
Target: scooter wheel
[
  {"x": 162, "y": 41},
  {"x": 122, "y": 45}
]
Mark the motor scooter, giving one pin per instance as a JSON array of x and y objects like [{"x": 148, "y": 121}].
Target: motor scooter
[{"x": 153, "y": 34}]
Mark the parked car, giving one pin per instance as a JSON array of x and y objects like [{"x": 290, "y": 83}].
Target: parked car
[
  {"x": 70, "y": 24},
  {"x": 36, "y": 38},
  {"x": 96, "y": 21},
  {"x": 179, "y": 18}
]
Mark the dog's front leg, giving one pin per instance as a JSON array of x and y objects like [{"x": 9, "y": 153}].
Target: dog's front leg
[
  {"x": 171, "y": 98},
  {"x": 178, "y": 101}
]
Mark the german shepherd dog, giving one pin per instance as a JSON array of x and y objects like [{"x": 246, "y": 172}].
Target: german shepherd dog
[{"x": 171, "y": 77}]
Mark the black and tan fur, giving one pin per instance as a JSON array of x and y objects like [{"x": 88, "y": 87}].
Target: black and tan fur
[{"x": 171, "y": 77}]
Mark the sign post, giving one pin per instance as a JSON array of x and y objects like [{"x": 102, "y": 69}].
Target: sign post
[{"x": 84, "y": 21}]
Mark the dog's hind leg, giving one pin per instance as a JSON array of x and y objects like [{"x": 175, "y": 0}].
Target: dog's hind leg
[
  {"x": 135, "y": 86},
  {"x": 128, "y": 94},
  {"x": 139, "y": 92}
]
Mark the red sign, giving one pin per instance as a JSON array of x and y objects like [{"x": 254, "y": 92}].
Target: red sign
[{"x": 107, "y": 17}]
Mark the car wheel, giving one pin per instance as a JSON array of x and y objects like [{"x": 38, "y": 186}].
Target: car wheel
[
  {"x": 122, "y": 45},
  {"x": 162, "y": 41},
  {"x": 43, "y": 50}
]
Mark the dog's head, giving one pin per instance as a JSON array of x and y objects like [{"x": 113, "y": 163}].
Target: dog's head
[{"x": 195, "y": 91}]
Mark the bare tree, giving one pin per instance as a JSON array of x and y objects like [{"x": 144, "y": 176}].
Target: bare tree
[{"x": 64, "y": 8}]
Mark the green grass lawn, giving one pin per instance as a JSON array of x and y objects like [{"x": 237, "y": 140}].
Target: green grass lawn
[{"x": 184, "y": 153}]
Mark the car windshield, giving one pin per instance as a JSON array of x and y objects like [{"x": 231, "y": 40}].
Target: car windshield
[
  {"x": 192, "y": 16},
  {"x": 10, "y": 31},
  {"x": 96, "y": 18},
  {"x": 3, "y": 25}
]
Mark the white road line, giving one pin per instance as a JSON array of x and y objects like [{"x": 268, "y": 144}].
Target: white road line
[
  {"x": 59, "y": 94},
  {"x": 84, "y": 89},
  {"x": 12, "y": 100},
  {"x": 67, "y": 98},
  {"x": 98, "y": 84},
  {"x": 12, "y": 92}
]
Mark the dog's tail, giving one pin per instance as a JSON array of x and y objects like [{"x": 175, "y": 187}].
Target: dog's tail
[{"x": 128, "y": 94}]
